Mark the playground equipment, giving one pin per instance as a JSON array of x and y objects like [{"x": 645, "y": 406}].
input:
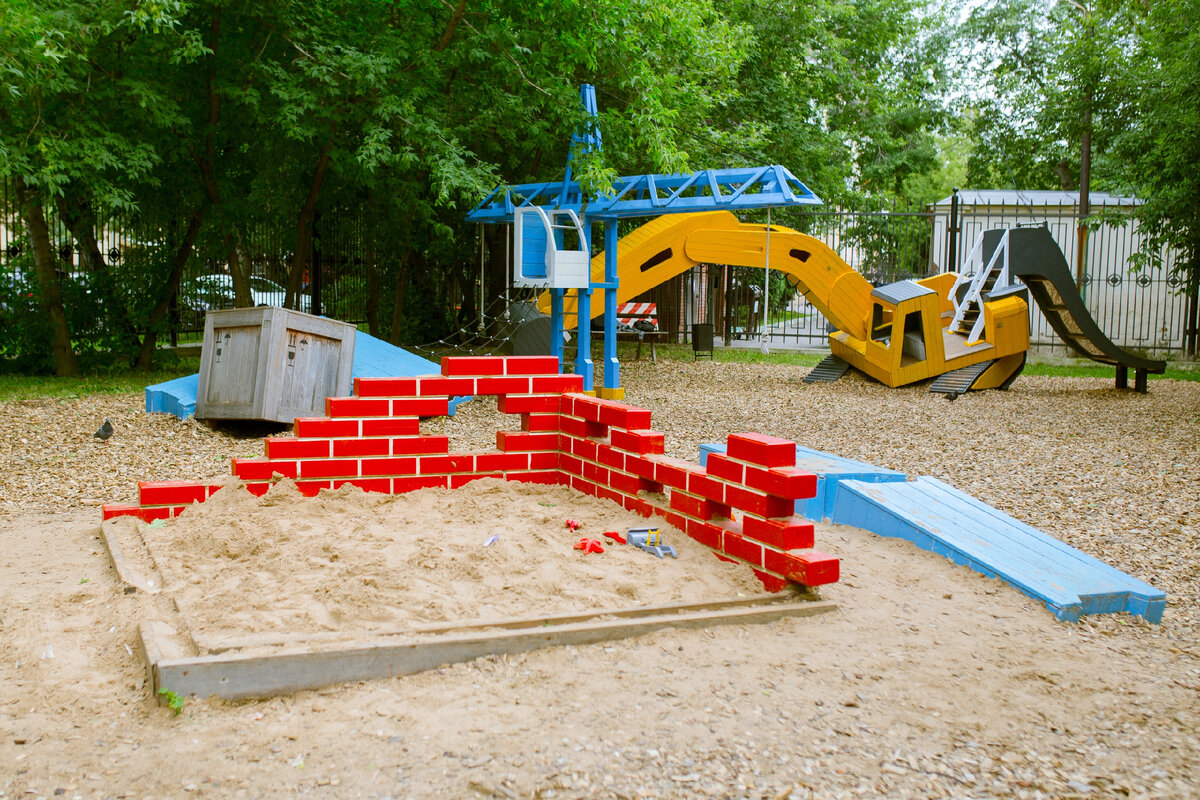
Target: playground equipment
[
  {"x": 971, "y": 329},
  {"x": 650, "y": 540}
]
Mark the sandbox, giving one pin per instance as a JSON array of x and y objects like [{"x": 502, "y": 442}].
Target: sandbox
[{"x": 281, "y": 592}]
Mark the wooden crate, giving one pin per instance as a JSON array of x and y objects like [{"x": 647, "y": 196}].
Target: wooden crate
[{"x": 272, "y": 364}]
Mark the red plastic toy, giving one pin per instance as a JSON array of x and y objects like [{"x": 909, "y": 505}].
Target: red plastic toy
[
  {"x": 616, "y": 537},
  {"x": 572, "y": 525},
  {"x": 589, "y": 545}
]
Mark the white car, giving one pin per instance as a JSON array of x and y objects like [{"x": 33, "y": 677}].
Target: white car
[{"x": 215, "y": 291}]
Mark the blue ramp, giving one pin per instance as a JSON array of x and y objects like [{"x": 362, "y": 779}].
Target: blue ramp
[
  {"x": 373, "y": 358},
  {"x": 830, "y": 471},
  {"x": 939, "y": 518}
]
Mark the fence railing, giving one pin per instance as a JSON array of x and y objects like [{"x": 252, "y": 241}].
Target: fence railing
[{"x": 1144, "y": 310}]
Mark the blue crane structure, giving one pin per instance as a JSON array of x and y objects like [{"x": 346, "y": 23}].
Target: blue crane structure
[{"x": 536, "y": 210}]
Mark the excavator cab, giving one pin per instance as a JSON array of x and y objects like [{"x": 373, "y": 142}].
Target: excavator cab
[{"x": 905, "y": 326}]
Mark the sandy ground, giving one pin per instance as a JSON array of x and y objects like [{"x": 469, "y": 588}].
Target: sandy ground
[{"x": 928, "y": 681}]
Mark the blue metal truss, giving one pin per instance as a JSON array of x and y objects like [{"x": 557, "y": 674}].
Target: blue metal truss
[{"x": 651, "y": 195}]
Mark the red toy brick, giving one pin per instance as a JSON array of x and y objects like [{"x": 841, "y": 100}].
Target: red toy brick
[
  {"x": 723, "y": 467},
  {"x": 671, "y": 471},
  {"x": 677, "y": 520},
  {"x": 531, "y": 365},
  {"x": 310, "y": 488},
  {"x": 547, "y": 477},
  {"x": 624, "y": 482},
  {"x": 402, "y": 485},
  {"x": 584, "y": 448},
  {"x": 608, "y": 494},
  {"x": 421, "y": 445},
  {"x": 391, "y": 426},
  {"x": 595, "y": 473},
  {"x": 702, "y": 485},
  {"x": 357, "y": 407},
  {"x": 785, "y": 534},
  {"x": 705, "y": 534},
  {"x": 637, "y": 506},
  {"x": 287, "y": 447},
  {"x": 383, "y": 485},
  {"x": 570, "y": 464},
  {"x": 585, "y": 486},
  {"x": 329, "y": 468},
  {"x": 438, "y": 386},
  {"x": 619, "y": 415},
  {"x": 309, "y": 427},
  {"x": 171, "y": 493},
  {"x": 420, "y": 406},
  {"x": 573, "y": 426},
  {"x": 543, "y": 460},
  {"x": 505, "y": 385},
  {"x": 455, "y": 462},
  {"x": 385, "y": 387},
  {"x": 473, "y": 365},
  {"x": 639, "y": 442},
  {"x": 610, "y": 456},
  {"x": 758, "y": 448},
  {"x": 488, "y": 462},
  {"x": 809, "y": 567},
  {"x": 258, "y": 489},
  {"x": 744, "y": 549},
  {"x": 519, "y": 440},
  {"x": 388, "y": 466},
  {"x": 527, "y": 403},
  {"x": 260, "y": 469},
  {"x": 789, "y": 482},
  {"x": 642, "y": 467},
  {"x": 347, "y": 448},
  {"x": 586, "y": 407},
  {"x": 538, "y": 423},
  {"x": 556, "y": 383},
  {"x": 764, "y": 505},
  {"x": 692, "y": 506},
  {"x": 595, "y": 430},
  {"x": 771, "y": 583},
  {"x": 114, "y": 510}
]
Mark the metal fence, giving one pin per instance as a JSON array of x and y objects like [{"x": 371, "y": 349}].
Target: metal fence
[{"x": 1144, "y": 310}]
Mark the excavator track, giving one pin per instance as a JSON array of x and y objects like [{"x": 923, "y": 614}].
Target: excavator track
[
  {"x": 829, "y": 370},
  {"x": 958, "y": 381}
]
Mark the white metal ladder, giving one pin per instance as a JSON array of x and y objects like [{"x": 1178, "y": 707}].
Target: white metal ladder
[{"x": 979, "y": 275}]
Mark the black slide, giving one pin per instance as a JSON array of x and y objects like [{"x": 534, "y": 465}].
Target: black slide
[{"x": 1036, "y": 259}]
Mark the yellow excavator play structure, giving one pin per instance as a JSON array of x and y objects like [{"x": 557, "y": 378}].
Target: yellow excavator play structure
[{"x": 900, "y": 333}]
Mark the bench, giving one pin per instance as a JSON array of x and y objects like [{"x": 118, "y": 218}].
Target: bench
[{"x": 640, "y": 321}]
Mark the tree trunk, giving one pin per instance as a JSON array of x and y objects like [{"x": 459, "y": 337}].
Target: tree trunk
[
  {"x": 304, "y": 229},
  {"x": 239, "y": 268},
  {"x": 80, "y": 220},
  {"x": 49, "y": 292},
  {"x": 163, "y": 307},
  {"x": 398, "y": 299},
  {"x": 371, "y": 267}
]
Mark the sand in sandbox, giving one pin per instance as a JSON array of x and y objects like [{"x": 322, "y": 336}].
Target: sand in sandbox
[{"x": 351, "y": 560}]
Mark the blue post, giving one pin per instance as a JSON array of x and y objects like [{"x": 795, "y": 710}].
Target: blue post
[
  {"x": 556, "y": 325},
  {"x": 583, "y": 314},
  {"x": 612, "y": 367}
]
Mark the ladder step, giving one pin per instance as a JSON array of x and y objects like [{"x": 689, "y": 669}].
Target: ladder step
[{"x": 829, "y": 370}]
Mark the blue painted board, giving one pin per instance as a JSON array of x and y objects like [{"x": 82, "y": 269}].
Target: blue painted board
[
  {"x": 830, "y": 471},
  {"x": 943, "y": 520}
]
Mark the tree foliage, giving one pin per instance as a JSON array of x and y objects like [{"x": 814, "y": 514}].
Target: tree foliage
[{"x": 202, "y": 123}]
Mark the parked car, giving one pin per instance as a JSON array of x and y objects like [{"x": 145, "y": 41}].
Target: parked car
[{"x": 215, "y": 291}]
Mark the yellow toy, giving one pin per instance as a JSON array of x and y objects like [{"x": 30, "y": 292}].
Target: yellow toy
[{"x": 898, "y": 334}]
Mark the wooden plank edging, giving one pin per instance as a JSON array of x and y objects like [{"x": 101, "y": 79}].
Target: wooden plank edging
[{"x": 246, "y": 675}]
